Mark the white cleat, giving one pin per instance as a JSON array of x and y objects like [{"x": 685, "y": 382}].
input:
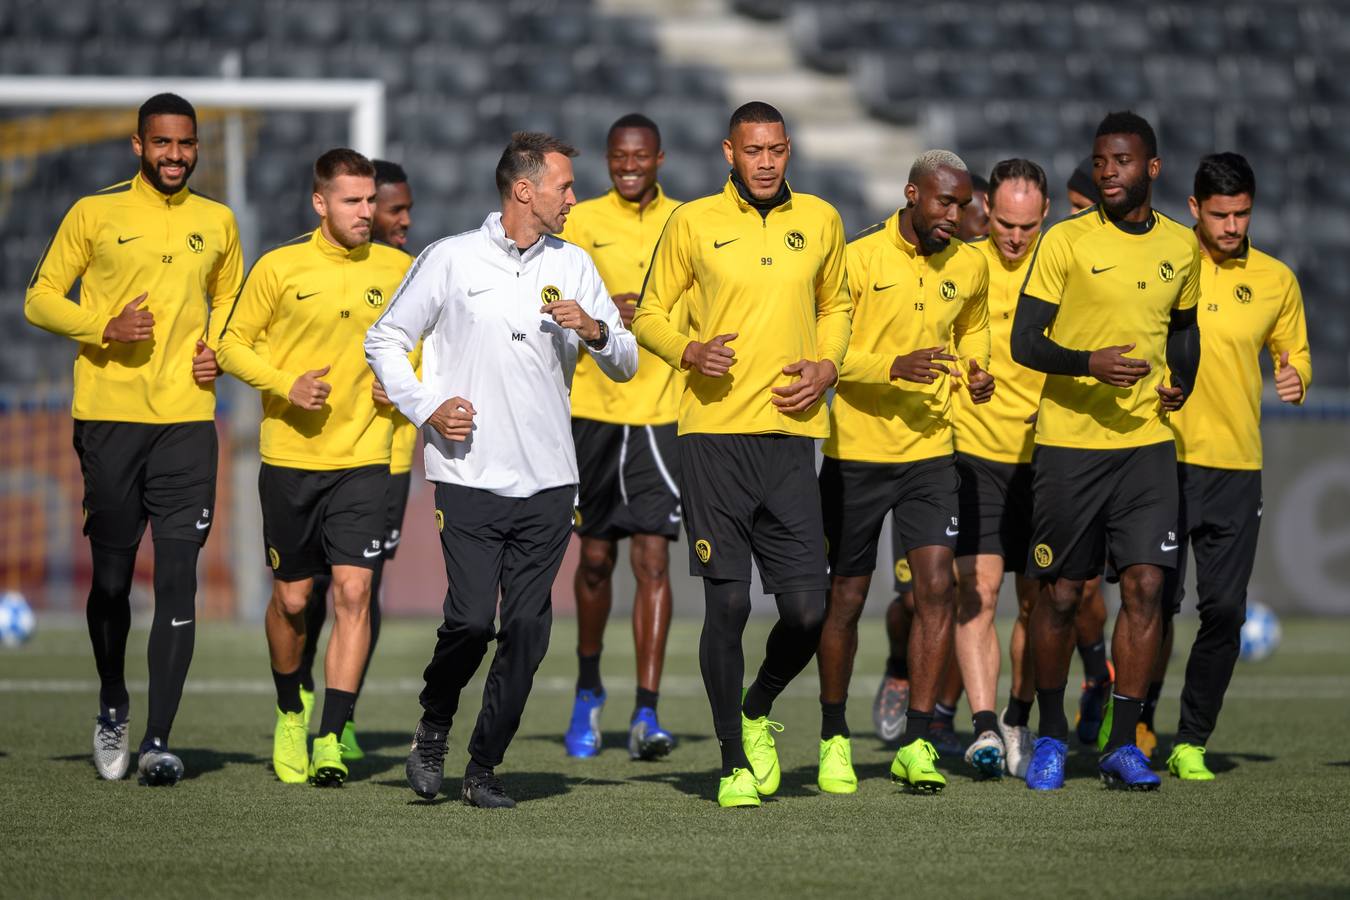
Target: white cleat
[
  {"x": 112, "y": 748},
  {"x": 158, "y": 767},
  {"x": 986, "y": 754},
  {"x": 1018, "y": 742}
]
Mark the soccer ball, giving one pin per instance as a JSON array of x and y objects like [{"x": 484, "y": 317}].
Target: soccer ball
[
  {"x": 16, "y": 619},
  {"x": 1260, "y": 633}
]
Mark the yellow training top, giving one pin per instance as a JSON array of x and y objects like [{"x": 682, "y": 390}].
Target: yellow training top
[
  {"x": 777, "y": 281},
  {"x": 314, "y": 301},
  {"x": 1112, "y": 287},
  {"x": 1246, "y": 303},
  {"x": 904, "y": 301},
  {"x": 620, "y": 238},
  {"x": 998, "y": 430},
  {"x": 126, "y": 240}
]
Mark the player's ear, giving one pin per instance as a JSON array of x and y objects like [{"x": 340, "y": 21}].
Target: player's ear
[
  {"x": 911, "y": 194},
  {"x": 1154, "y": 167},
  {"x": 1195, "y": 207},
  {"x": 319, "y": 206},
  {"x": 136, "y": 146},
  {"x": 726, "y": 151},
  {"x": 523, "y": 191}
]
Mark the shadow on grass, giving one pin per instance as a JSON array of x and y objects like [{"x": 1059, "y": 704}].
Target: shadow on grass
[
  {"x": 610, "y": 740},
  {"x": 1219, "y": 763},
  {"x": 523, "y": 787},
  {"x": 700, "y": 784},
  {"x": 379, "y": 740},
  {"x": 1345, "y": 764},
  {"x": 196, "y": 761}
]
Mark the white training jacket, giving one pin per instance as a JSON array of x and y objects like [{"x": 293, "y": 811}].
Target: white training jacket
[{"x": 474, "y": 301}]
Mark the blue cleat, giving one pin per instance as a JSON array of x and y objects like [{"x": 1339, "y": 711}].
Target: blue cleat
[
  {"x": 1046, "y": 770},
  {"x": 583, "y": 732},
  {"x": 1126, "y": 769},
  {"x": 646, "y": 738}
]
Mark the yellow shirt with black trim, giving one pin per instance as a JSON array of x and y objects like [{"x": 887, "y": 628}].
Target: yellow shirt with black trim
[
  {"x": 620, "y": 237},
  {"x": 1246, "y": 303},
  {"x": 998, "y": 430},
  {"x": 314, "y": 302},
  {"x": 778, "y": 281},
  {"x": 904, "y": 301},
  {"x": 182, "y": 251},
  {"x": 1112, "y": 287}
]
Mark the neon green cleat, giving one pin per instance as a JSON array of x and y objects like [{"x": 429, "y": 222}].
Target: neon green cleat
[
  {"x": 307, "y": 701},
  {"x": 738, "y": 789},
  {"x": 1187, "y": 762},
  {"x": 351, "y": 750},
  {"x": 1104, "y": 733},
  {"x": 836, "y": 775},
  {"x": 757, "y": 739},
  {"x": 290, "y": 754},
  {"x": 913, "y": 765},
  {"x": 326, "y": 768}
]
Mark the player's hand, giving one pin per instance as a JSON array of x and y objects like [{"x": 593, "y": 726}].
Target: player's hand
[
  {"x": 569, "y": 314},
  {"x": 980, "y": 383},
  {"x": 309, "y": 392},
  {"x": 802, "y": 394},
  {"x": 132, "y": 324},
  {"x": 627, "y": 306},
  {"x": 453, "y": 419},
  {"x": 1110, "y": 365},
  {"x": 1171, "y": 398},
  {"x": 1288, "y": 383},
  {"x": 204, "y": 365},
  {"x": 921, "y": 366},
  {"x": 712, "y": 359},
  {"x": 378, "y": 395}
]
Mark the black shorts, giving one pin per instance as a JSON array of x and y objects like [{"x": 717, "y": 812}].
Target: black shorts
[
  {"x": 856, "y": 496},
  {"x": 904, "y": 578},
  {"x": 629, "y": 478},
  {"x": 395, "y": 506},
  {"x": 996, "y": 503},
  {"x": 1219, "y": 520},
  {"x": 314, "y": 520},
  {"x": 753, "y": 495},
  {"x": 136, "y": 472},
  {"x": 1091, "y": 503}
]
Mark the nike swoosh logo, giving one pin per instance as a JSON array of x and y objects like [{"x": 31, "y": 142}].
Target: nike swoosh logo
[
  {"x": 393, "y": 541},
  {"x": 883, "y": 287},
  {"x": 718, "y": 245},
  {"x": 1097, "y": 271},
  {"x": 369, "y": 553},
  {"x": 300, "y": 296},
  {"x": 674, "y": 518},
  {"x": 202, "y": 526},
  {"x": 479, "y": 291},
  {"x": 951, "y": 533},
  {"x": 597, "y": 245},
  {"x": 177, "y": 624},
  {"x": 1166, "y": 547},
  {"x": 122, "y": 240}
]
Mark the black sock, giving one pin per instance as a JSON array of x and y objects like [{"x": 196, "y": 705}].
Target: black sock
[
  {"x": 944, "y": 715},
  {"x": 733, "y": 755},
  {"x": 986, "y": 720},
  {"x": 832, "y": 721},
  {"x": 1053, "y": 722},
  {"x": 1151, "y": 704},
  {"x": 337, "y": 709},
  {"x": 316, "y": 613},
  {"x": 1018, "y": 713},
  {"x": 1125, "y": 712},
  {"x": 149, "y": 743},
  {"x": 1094, "y": 661},
  {"x": 375, "y": 618},
  {"x": 173, "y": 633},
  {"x": 916, "y": 726},
  {"x": 108, "y": 613},
  {"x": 897, "y": 667},
  {"x": 645, "y": 699},
  {"x": 475, "y": 768},
  {"x": 792, "y": 644},
  {"x": 288, "y": 691},
  {"x": 588, "y": 674}
]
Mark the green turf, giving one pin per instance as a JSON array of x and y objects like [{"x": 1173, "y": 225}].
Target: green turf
[{"x": 1273, "y": 824}]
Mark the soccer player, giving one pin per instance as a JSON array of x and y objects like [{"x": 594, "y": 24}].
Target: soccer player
[
  {"x": 919, "y": 303},
  {"x": 389, "y": 224},
  {"x": 503, "y": 311},
  {"x": 1081, "y": 192},
  {"x": 768, "y": 326},
  {"x": 154, "y": 261},
  {"x": 975, "y": 217},
  {"x": 1248, "y": 300},
  {"x": 1122, "y": 279},
  {"x": 324, "y": 443},
  {"x": 625, "y": 444},
  {"x": 993, "y": 460}
]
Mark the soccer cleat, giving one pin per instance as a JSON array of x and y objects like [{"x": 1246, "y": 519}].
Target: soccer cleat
[
  {"x": 1045, "y": 771},
  {"x": 890, "y": 708},
  {"x": 1145, "y": 740},
  {"x": 738, "y": 789},
  {"x": 351, "y": 750},
  {"x": 986, "y": 754},
  {"x": 307, "y": 701},
  {"x": 913, "y": 766},
  {"x": 290, "y": 754},
  {"x": 112, "y": 748},
  {"x": 942, "y": 735},
  {"x": 836, "y": 775},
  {"x": 757, "y": 739},
  {"x": 1187, "y": 762},
  {"x": 646, "y": 738},
  {"x": 1125, "y": 768},
  {"x": 583, "y": 732},
  {"x": 326, "y": 768},
  {"x": 157, "y": 767},
  {"x": 1093, "y": 710},
  {"x": 1104, "y": 732},
  {"x": 426, "y": 761},
  {"x": 485, "y": 792},
  {"x": 1017, "y": 743}
]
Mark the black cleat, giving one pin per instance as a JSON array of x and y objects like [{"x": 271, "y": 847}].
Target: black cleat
[
  {"x": 485, "y": 792},
  {"x": 157, "y": 767},
  {"x": 426, "y": 761}
]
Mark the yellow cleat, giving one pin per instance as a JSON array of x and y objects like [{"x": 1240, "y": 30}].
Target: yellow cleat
[
  {"x": 913, "y": 765},
  {"x": 757, "y": 739},
  {"x": 738, "y": 789},
  {"x": 290, "y": 756},
  {"x": 351, "y": 750},
  {"x": 326, "y": 768},
  {"x": 836, "y": 775},
  {"x": 307, "y": 701}
]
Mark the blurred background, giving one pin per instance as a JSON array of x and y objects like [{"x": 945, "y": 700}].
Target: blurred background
[{"x": 865, "y": 86}]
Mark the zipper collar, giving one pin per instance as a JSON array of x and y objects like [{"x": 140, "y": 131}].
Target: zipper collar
[
  {"x": 632, "y": 208},
  {"x": 332, "y": 251},
  {"x": 492, "y": 229},
  {"x": 145, "y": 191},
  {"x": 740, "y": 194}
]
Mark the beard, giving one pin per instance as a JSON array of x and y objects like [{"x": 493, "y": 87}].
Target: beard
[
  {"x": 929, "y": 243},
  {"x": 151, "y": 174},
  {"x": 1135, "y": 195}
]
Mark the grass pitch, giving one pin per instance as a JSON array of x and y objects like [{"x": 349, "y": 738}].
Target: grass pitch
[{"x": 1275, "y": 823}]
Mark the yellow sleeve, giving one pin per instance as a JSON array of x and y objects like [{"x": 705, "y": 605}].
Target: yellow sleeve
[
  {"x": 1189, "y": 295},
  {"x": 1049, "y": 267},
  {"x": 574, "y": 230},
  {"x": 834, "y": 303},
  {"x": 670, "y": 275},
  {"x": 858, "y": 366},
  {"x": 971, "y": 328},
  {"x": 65, "y": 259},
  {"x": 225, "y": 282},
  {"x": 248, "y": 320},
  {"x": 1291, "y": 333}
]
